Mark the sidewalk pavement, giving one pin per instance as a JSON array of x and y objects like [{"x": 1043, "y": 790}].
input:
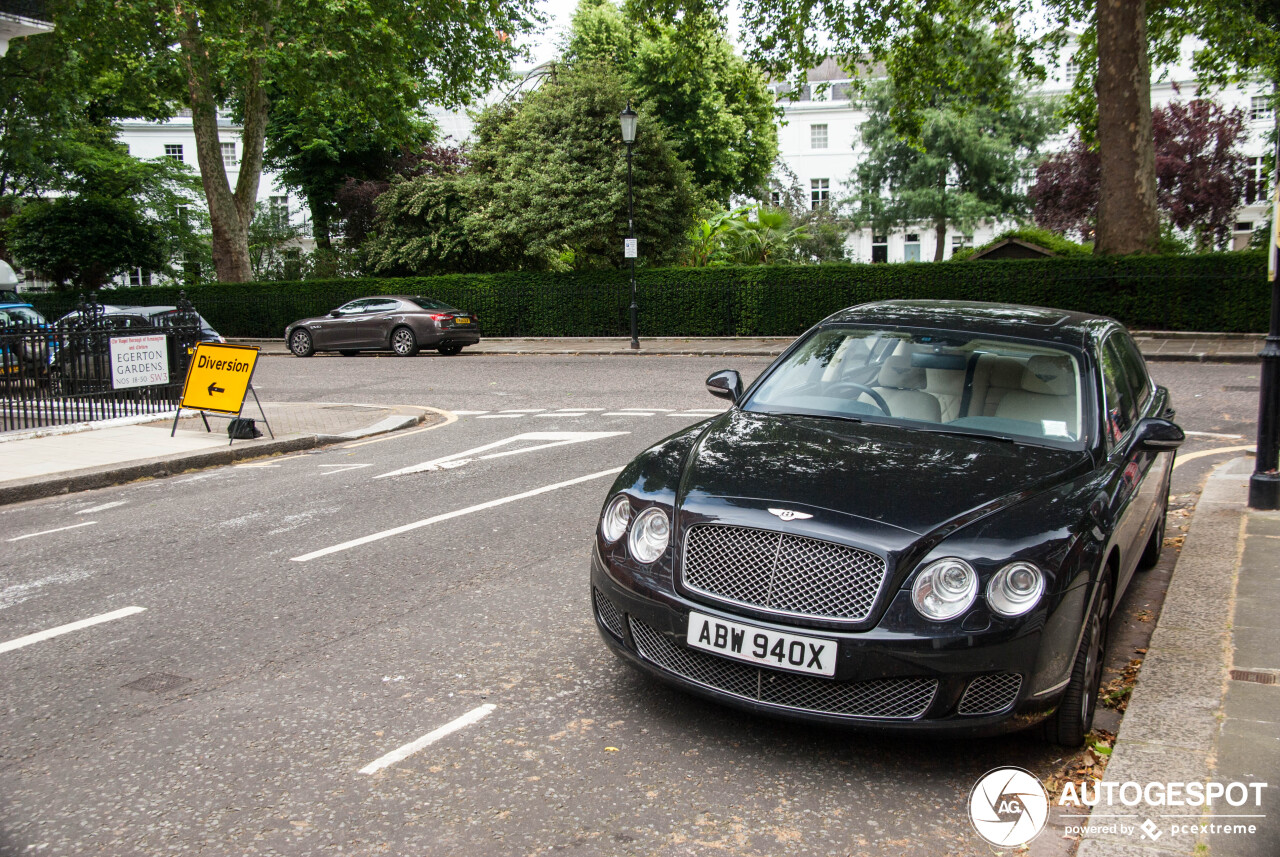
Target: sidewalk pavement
[
  {"x": 1206, "y": 707},
  {"x": 1155, "y": 346},
  {"x": 61, "y": 459}
]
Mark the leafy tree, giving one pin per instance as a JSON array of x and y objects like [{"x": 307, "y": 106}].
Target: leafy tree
[
  {"x": 714, "y": 106},
  {"x": 387, "y": 56},
  {"x": 1239, "y": 37},
  {"x": 967, "y": 167},
  {"x": 85, "y": 240},
  {"x": 543, "y": 187},
  {"x": 1200, "y": 175},
  {"x": 319, "y": 141}
]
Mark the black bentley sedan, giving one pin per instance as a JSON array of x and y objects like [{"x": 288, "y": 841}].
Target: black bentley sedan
[{"x": 919, "y": 517}]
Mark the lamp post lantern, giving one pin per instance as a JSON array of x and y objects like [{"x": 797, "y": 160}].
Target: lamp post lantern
[{"x": 628, "y": 120}]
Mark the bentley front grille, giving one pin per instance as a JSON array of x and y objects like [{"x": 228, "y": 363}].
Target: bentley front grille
[
  {"x": 781, "y": 573},
  {"x": 990, "y": 694},
  {"x": 889, "y": 698}
]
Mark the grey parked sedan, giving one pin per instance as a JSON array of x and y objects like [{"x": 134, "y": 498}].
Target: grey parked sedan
[{"x": 400, "y": 323}]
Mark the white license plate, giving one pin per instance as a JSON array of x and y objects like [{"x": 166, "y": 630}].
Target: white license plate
[{"x": 794, "y": 652}]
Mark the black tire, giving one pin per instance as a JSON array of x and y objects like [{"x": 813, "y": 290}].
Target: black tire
[
  {"x": 403, "y": 342},
  {"x": 448, "y": 350},
  {"x": 348, "y": 352},
  {"x": 1070, "y": 724},
  {"x": 1151, "y": 553},
  {"x": 301, "y": 344}
]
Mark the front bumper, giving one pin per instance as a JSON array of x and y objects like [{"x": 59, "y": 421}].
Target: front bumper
[{"x": 978, "y": 685}]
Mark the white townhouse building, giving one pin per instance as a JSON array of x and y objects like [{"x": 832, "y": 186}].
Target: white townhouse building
[{"x": 819, "y": 140}]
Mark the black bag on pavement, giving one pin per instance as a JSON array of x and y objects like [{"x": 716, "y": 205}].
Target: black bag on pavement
[{"x": 242, "y": 429}]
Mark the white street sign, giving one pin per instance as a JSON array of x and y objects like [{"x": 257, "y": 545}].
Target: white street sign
[
  {"x": 630, "y": 248},
  {"x": 139, "y": 361}
]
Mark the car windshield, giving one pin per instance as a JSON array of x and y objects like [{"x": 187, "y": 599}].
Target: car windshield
[
  {"x": 937, "y": 380},
  {"x": 430, "y": 303},
  {"x": 20, "y": 315}
]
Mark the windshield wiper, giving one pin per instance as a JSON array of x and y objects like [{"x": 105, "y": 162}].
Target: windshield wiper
[{"x": 1004, "y": 438}]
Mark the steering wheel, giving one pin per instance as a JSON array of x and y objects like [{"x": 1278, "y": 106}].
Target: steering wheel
[{"x": 835, "y": 389}]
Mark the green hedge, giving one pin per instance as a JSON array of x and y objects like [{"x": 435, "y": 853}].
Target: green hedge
[{"x": 1225, "y": 292}]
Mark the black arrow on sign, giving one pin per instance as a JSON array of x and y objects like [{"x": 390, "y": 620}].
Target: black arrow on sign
[{"x": 213, "y": 389}]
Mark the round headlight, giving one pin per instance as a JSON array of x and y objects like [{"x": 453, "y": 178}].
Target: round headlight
[
  {"x": 613, "y": 523},
  {"x": 1015, "y": 589},
  {"x": 945, "y": 589},
  {"x": 650, "y": 535}
]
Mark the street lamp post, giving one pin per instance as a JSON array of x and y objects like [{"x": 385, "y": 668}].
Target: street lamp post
[
  {"x": 1264, "y": 485},
  {"x": 628, "y": 120}
]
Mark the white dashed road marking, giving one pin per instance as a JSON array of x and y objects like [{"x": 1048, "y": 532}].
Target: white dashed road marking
[
  {"x": 102, "y": 508},
  {"x": 500, "y": 417},
  {"x": 47, "y": 532},
  {"x": 551, "y": 438},
  {"x": 401, "y": 753},
  {"x": 395, "y": 531},
  {"x": 66, "y": 629},
  {"x": 627, "y": 414},
  {"x": 341, "y": 468}
]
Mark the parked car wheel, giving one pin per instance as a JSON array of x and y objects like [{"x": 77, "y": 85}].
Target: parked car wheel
[
  {"x": 1151, "y": 554},
  {"x": 300, "y": 343},
  {"x": 403, "y": 342},
  {"x": 449, "y": 350},
  {"x": 1070, "y": 725},
  {"x": 349, "y": 352}
]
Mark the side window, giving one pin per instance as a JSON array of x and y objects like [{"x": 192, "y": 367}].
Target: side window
[
  {"x": 1135, "y": 369},
  {"x": 353, "y": 307},
  {"x": 382, "y": 306},
  {"x": 1121, "y": 412}
]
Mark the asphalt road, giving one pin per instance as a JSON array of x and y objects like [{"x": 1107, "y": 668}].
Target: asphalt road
[{"x": 306, "y": 617}]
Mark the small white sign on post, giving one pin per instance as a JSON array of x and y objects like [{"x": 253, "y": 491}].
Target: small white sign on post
[
  {"x": 139, "y": 361},
  {"x": 629, "y": 248}
]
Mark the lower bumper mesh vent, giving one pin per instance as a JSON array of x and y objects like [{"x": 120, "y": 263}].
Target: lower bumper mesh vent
[
  {"x": 891, "y": 698},
  {"x": 990, "y": 694},
  {"x": 610, "y": 616}
]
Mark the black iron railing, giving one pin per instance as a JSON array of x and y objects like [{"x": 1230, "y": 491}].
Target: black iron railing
[{"x": 93, "y": 365}]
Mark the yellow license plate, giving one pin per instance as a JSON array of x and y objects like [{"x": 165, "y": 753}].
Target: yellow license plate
[{"x": 462, "y": 321}]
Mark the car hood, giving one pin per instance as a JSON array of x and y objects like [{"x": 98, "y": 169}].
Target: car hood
[{"x": 902, "y": 478}]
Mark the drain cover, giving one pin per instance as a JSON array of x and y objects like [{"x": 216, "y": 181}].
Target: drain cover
[
  {"x": 157, "y": 682},
  {"x": 1253, "y": 676}
]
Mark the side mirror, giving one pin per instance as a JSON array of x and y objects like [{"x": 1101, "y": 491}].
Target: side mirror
[
  {"x": 725, "y": 384},
  {"x": 1157, "y": 435},
  {"x": 335, "y": 313}
]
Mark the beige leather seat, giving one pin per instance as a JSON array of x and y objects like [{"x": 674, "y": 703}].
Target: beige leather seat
[
  {"x": 902, "y": 386},
  {"x": 1047, "y": 397}
]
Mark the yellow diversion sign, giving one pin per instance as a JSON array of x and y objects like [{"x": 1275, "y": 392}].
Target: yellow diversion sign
[{"x": 219, "y": 377}]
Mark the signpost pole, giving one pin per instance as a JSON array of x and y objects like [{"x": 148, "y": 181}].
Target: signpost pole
[{"x": 1264, "y": 485}]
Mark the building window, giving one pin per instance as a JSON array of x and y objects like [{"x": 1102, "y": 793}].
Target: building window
[
  {"x": 1072, "y": 70},
  {"x": 1259, "y": 108},
  {"x": 879, "y": 248},
  {"x": 1244, "y": 226},
  {"x": 1255, "y": 183},
  {"x": 818, "y": 136},
  {"x": 137, "y": 277},
  {"x": 911, "y": 249},
  {"x": 229, "y": 154},
  {"x": 820, "y": 193},
  {"x": 173, "y": 150},
  {"x": 279, "y": 208},
  {"x": 775, "y": 198}
]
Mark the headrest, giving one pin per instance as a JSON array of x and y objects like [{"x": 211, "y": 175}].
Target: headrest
[
  {"x": 1049, "y": 376},
  {"x": 948, "y": 382},
  {"x": 897, "y": 373}
]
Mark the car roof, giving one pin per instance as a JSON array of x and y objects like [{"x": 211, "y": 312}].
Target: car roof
[{"x": 993, "y": 319}]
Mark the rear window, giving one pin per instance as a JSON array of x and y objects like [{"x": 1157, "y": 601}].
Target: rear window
[
  {"x": 430, "y": 303},
  {"x": 20, "y": 315}
]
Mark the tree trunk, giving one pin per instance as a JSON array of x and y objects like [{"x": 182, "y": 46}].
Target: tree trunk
[
  {"x": 229, "y": 211},
  {"x": 940, "y": 225},
  {"x": 321, "y": 224},
  {"x": 1127, "y": 218}
]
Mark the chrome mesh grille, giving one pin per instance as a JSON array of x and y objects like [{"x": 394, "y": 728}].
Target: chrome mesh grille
[
  {"x": 892, "y": 698},
  {"x": 990, "y": 694},
  {"x": 609, "y": 615},
  {"x": 782, "y": 573}
]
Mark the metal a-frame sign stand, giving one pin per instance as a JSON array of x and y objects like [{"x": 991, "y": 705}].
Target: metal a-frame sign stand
[{"x": 228, "y": 371}]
